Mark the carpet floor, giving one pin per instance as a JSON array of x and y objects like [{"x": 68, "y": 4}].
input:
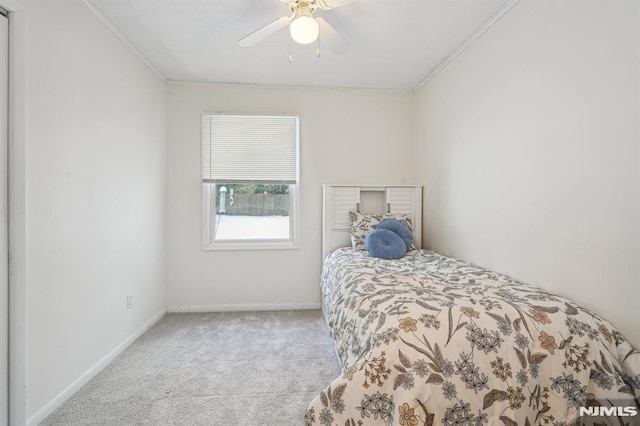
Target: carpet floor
[{"x": 227, "y": 369}]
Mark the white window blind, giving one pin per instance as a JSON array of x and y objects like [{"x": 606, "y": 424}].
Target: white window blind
[{"x": 249, "y": 148}]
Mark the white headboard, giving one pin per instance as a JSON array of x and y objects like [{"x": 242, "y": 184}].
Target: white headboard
[{"x": 338, "y": 200}]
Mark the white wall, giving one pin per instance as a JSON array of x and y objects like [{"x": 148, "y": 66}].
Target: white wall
[
  {"x": 95, "y": 119},
  {"x": 529, "y": 150},
  {"x": 346, "y": 137}
]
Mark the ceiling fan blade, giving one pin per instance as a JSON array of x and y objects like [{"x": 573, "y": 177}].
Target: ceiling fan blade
[
  {"x": 261, "y": 33},
  {"x": 332, "y": 4},
  {"x": 330, "y": 36}
]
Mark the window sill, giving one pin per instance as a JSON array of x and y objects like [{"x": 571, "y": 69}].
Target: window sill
[{"x": 250, "y": 245}]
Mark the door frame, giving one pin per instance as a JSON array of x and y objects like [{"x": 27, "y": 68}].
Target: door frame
[
  {"x": 4, "y": 222},
  {"x": 16, "y": 155}
]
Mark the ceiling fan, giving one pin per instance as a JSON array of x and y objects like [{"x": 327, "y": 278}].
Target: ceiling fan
[{"x": 303, "y": 26}]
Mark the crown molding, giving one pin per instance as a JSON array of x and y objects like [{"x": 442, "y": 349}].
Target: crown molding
[{"x": 467, "y": 42}]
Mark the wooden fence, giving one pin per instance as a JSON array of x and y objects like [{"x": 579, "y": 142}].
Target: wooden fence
[{"x": 259, "y": 205}]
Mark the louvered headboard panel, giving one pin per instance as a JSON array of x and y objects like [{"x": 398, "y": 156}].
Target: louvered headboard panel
[
  {"x": 345, "y": 199},
  {"x": 338, "y": 200}
]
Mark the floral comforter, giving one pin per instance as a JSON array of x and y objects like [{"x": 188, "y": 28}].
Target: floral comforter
[{"x": 430, "y": 340}]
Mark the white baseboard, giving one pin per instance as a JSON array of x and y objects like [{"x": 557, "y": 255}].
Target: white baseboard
[
  {"x": 52, "y": 405},
  {"x": 243, "y": 307}
]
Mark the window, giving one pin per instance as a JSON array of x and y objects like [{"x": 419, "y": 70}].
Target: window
[{"x": 249, "y": 181}]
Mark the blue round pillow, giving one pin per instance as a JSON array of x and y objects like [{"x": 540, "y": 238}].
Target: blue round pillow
[
  {"x": 399, "y": 228},
  {"x": 385, "y": 244}
]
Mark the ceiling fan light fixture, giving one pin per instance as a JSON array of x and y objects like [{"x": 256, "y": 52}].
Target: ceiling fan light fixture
[{"x": 304, "y": 29}]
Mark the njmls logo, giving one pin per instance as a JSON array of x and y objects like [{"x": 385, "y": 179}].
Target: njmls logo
[{"x": 609, "y": 411}]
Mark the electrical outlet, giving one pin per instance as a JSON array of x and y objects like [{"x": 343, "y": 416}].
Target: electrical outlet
[{"x": 129, "y": 301}]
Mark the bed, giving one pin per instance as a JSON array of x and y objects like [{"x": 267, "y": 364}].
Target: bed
[{"x": 430, "y": 340}]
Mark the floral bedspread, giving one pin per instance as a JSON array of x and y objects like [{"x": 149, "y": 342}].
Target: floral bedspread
[{"x": 430, "y": 340}]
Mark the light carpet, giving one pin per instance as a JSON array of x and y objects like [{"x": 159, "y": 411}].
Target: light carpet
[{"x": 230, "y": 368}]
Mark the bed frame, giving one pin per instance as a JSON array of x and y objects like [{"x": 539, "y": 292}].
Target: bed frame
[{"x": 338, "y": 200}]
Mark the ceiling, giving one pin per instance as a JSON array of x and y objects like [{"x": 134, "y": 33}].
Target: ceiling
[{"x": 393, "y": 44}]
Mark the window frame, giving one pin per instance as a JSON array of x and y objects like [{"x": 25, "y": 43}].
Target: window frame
[{"x": 208, "y": 208}]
